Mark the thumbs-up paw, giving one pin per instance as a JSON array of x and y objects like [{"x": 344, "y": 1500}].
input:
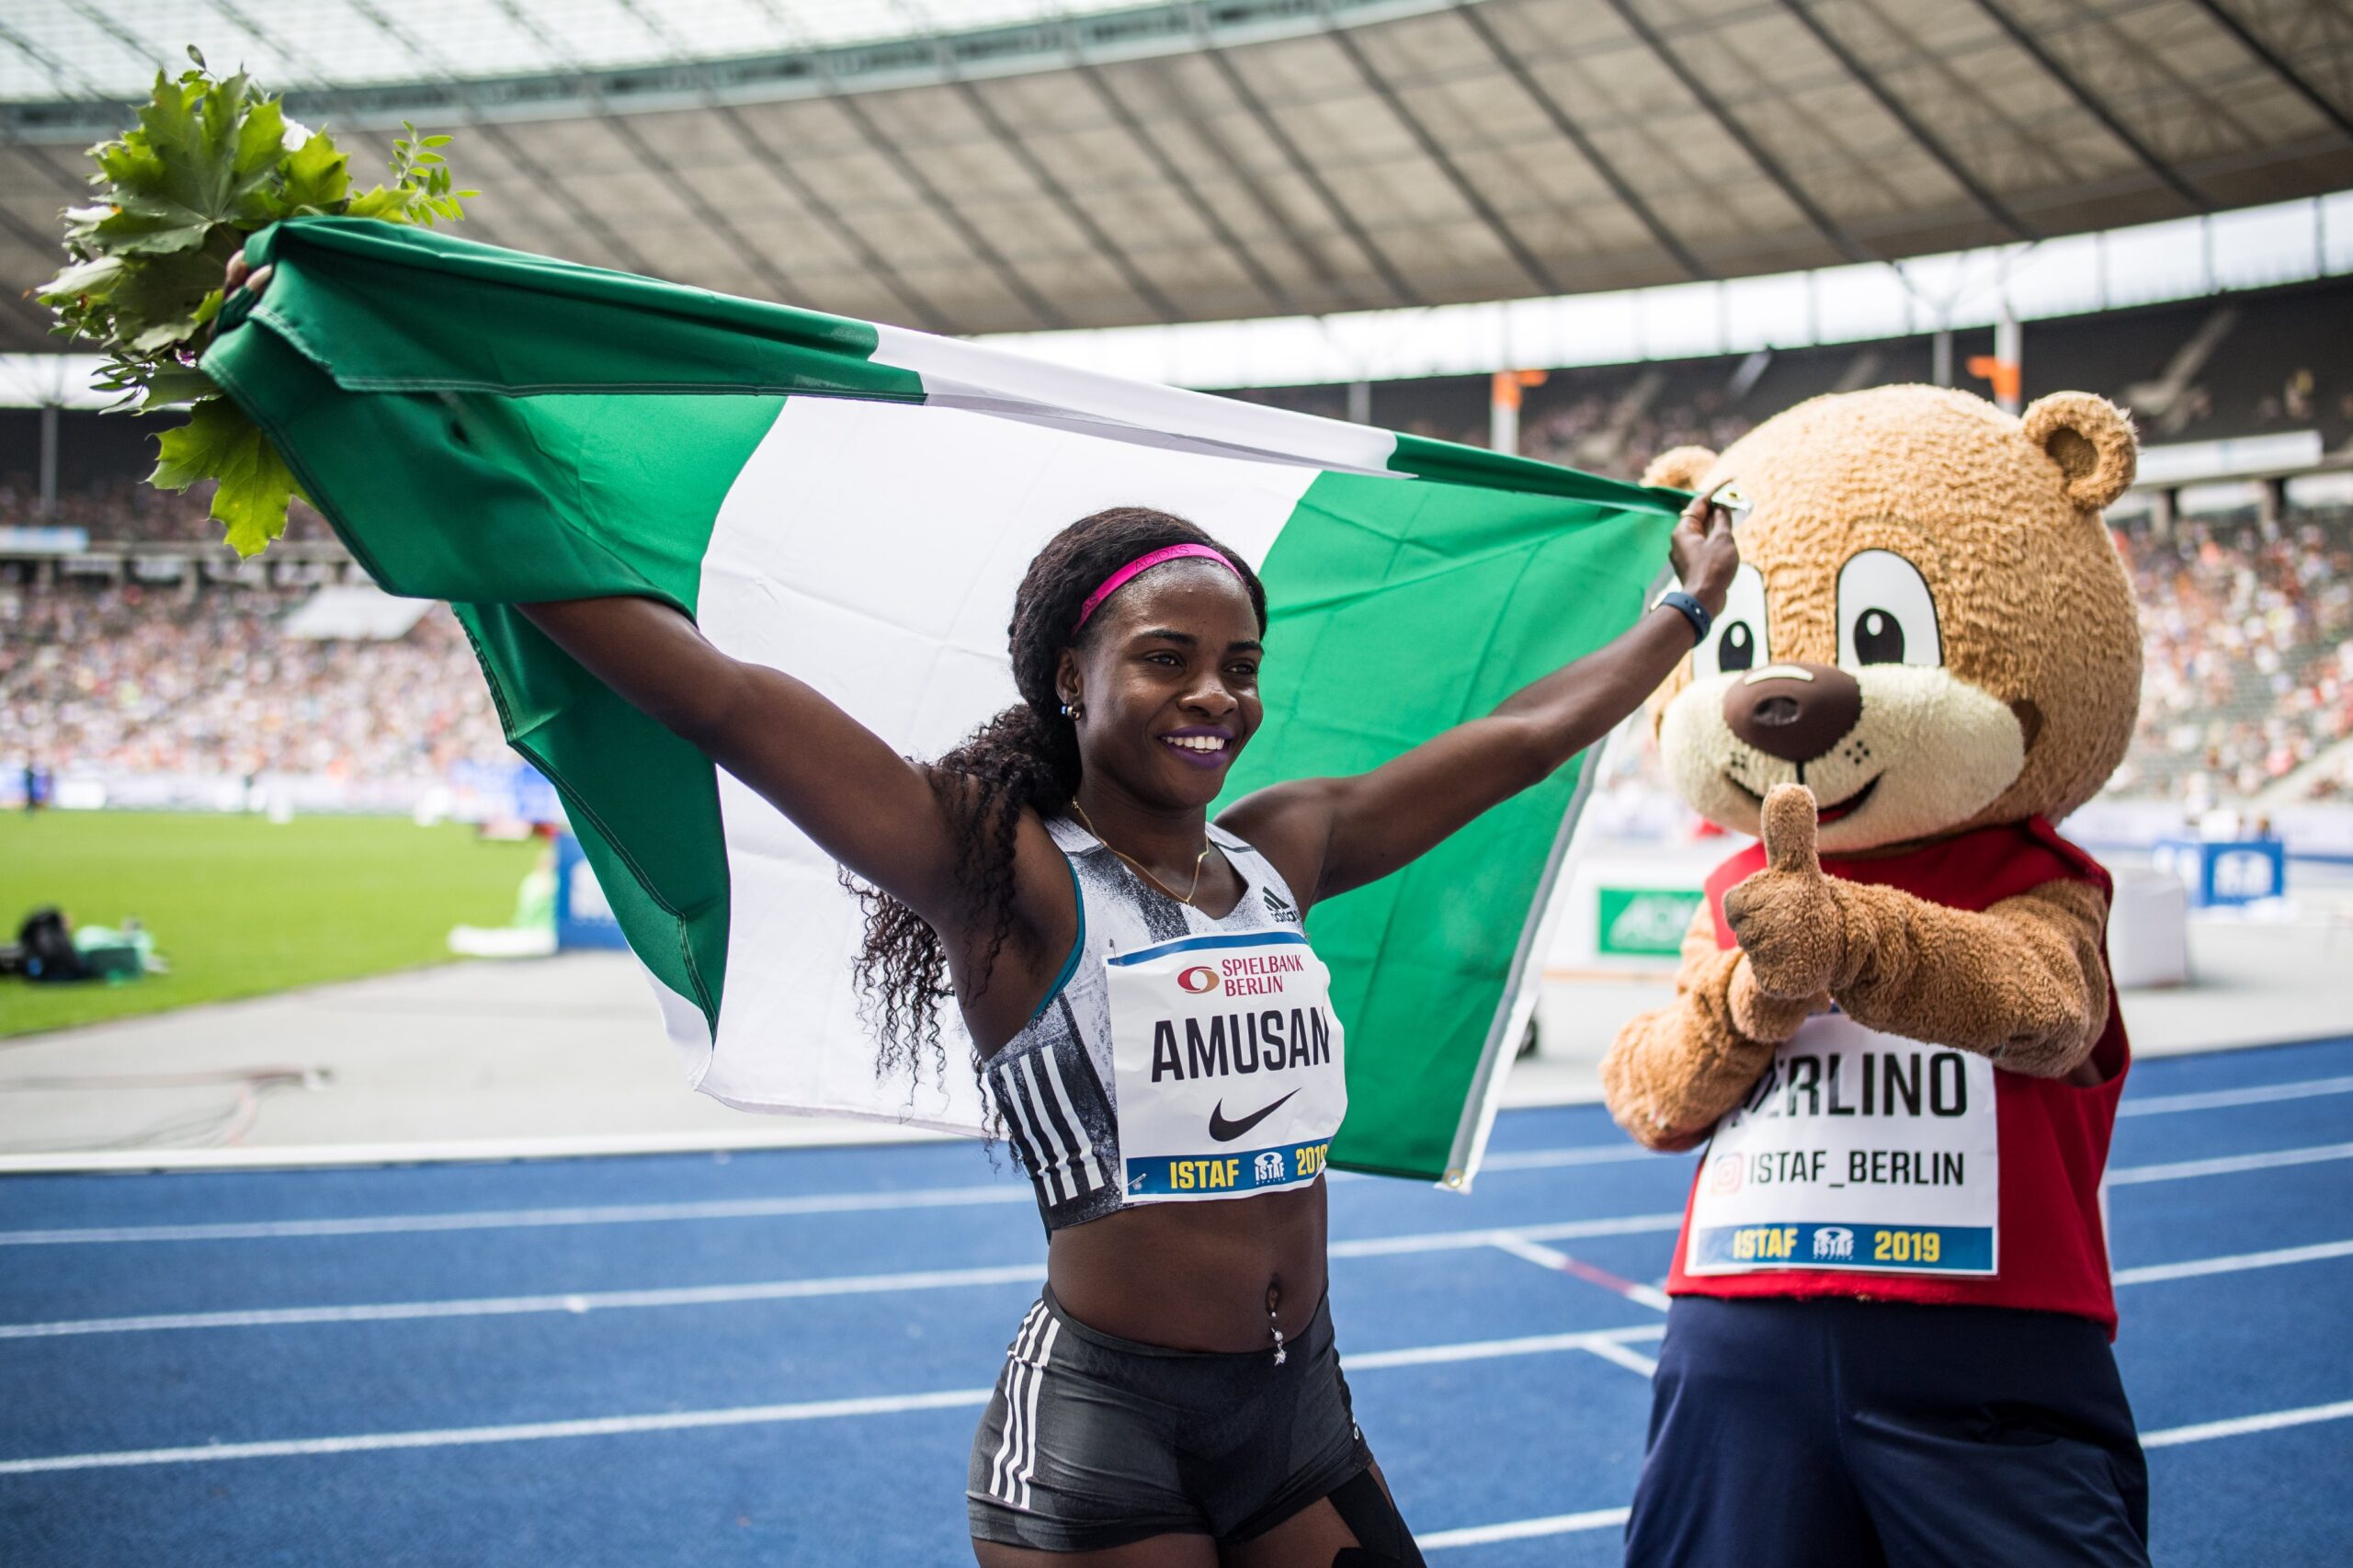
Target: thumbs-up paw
[{"x": 1787, "y": 917}]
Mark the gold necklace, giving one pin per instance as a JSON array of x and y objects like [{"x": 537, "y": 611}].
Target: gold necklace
[{"x": 1185, "y": 898}]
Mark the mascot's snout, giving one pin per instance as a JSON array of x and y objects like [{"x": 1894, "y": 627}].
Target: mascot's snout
[{"x": 1796, "y": 712}]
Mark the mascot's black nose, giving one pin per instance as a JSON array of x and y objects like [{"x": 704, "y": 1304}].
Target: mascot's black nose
[{"x": 1793, "y": 712}]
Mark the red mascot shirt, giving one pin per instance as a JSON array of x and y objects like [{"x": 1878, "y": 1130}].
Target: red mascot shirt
[{"x": 2052, "y": 1138}]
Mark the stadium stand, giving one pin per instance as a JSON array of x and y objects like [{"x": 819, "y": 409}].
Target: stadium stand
[
  {"x": 2250, "y": 676},
  {"x": 116, "y": 678},
  {"x": 2249, "y": 618},
  {"x": 2251, "y": 365}
]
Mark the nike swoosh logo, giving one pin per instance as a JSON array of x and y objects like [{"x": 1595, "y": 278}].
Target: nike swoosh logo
[{"x": 1226, "y": 1131}]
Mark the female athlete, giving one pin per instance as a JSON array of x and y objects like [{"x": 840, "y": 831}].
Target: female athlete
[{"x": 1151, "y": 1022}]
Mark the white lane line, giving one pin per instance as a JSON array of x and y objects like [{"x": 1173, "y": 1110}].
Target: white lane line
[
  {"x": 2240, "y": 1425},
  {"x": 1606, "y": 1518},
  {"x": 533, "y": 1431},
  {"x": 1553, "y": 1159},
  {"x": 2220, "y": 1099},
  {"x": 580, "y": 1302},
  {"x": 645, "y": 1213},
  {"x": 508, "y": 1306},
  {"x": 963, "y": 1196},
  {"x": 1632, "y": 1360},
  {"x": 1595, "y": 1340},
  {"x": 1524, "y": 1529},
  {"x": 2229, "y": 1165},
  {"x": 1525, "y": 1241},
  {"x": 1603, "y": 1519},
  {"x": 1554, "y": 1258},
  {"x": 2238, "y": 1262},
  {"x": 1565, "y": 1230},
  {"x": 749, "y": 1415},
  {"x": 519, "y": 1219}
]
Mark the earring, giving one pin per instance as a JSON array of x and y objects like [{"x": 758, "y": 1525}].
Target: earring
[{"x": 1073, "y": 711}]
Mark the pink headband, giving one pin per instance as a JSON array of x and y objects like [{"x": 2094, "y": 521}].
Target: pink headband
[{"x": 1119, "y": 579}]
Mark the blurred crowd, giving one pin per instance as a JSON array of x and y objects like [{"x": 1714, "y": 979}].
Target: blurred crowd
[
  {"x": 128, "y": 510},
  {"x": 122, "y": 678},
  {"x": 2249, "y": 673},
  {"x": 2250, "y": 639}
]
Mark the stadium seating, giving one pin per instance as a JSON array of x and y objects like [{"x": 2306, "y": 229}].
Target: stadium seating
[
  {"x": 2248, "y": 695},
  {"x": 2250, "y": 657},
  {"x": 123, "y": 678}
]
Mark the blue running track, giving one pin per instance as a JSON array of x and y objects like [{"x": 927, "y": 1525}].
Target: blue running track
[{"x": 779, "y": 1357}]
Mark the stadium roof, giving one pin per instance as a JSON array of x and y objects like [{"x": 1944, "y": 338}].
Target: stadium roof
[{"x": 977, "y": 165}]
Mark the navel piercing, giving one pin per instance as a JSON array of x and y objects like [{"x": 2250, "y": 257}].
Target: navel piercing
[{"x": 1275, "y": 1328}]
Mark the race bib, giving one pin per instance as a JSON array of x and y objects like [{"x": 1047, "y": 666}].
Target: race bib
[
  {"x": 1229, "y": 1066},
  {"x": 1856, "y": 1151}
]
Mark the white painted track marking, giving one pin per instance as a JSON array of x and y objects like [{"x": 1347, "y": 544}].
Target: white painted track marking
[
  {"x": 2240, "y": 1425},
  {"x": 521, "y": 1218},
  {"x": 1632, "y": 1360},
  {"x": 1554, "y": 1258},
  {"x": 961, "y": 1197},
  {"x": 1495, "y": 1349},
  {"x": 1606, "y": 1518},
  {"x": 1522, "y": 1240},
  {"x": 578, "y": 1302},
  {"x": 1524, "y": 1529},
  {"x": 1565, "y": 1230},
  {"x": 2229, "y": 1165},
  {"x": 751, "y": 1415},
  {"x": 618, "y": 1213},
  {"x": 2238, "y": 1262},
  {"x": 2220, "y": 1099},
  {"x": 1555, "y": 1159},
  {"x": 534, "y": 1431}
]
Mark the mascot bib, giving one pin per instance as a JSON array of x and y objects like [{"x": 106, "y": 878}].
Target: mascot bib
[{"x": 1856, "y": 1149}]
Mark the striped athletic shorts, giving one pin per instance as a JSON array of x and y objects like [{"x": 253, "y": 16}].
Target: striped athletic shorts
[{"x": 1092, "y": 1441}]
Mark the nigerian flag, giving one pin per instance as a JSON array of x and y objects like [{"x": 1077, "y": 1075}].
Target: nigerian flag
[{"x": 855, "y": 504}]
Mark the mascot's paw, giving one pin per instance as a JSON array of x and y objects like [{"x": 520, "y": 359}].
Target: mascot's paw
[
  {"x": 1766, "y": 1020},
  {"x": 1787, "y": 917}
]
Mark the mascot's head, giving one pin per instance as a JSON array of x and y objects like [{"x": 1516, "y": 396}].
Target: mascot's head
[{"x": 1931, "y": 629}]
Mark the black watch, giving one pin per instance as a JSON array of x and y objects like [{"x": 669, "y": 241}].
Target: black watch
[{"x": 1692, "y": 610}]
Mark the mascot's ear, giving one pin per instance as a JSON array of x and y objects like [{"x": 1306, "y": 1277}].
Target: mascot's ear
[
  {"x": 2091, "y": 440},
  {"x": 1679, "y": 468}
]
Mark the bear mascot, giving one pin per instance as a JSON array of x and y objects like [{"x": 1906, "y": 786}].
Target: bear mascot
[{"x": 1890, "y": 1334}]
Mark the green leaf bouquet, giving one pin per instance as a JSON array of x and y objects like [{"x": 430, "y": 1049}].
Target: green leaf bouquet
[{"x": 211, "y": 160}]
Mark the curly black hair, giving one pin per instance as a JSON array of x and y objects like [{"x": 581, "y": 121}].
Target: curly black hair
[{"x": 1024, "y": 759}]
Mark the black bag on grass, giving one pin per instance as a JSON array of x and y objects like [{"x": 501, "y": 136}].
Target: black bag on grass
[{"x": 49, "y": 948}]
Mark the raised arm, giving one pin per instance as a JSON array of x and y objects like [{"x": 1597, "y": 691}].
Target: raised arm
[
  {"x": 876, "y": 812},
  {"x": 1355, "y": 830}
]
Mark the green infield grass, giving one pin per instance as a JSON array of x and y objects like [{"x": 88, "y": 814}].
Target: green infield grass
[{"x": 240, "y": 906}]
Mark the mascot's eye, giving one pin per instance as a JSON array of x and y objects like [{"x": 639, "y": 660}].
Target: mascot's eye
[
  {"x": 1886, "y": 614},
  {"x": 1738, "y": 641},
  {"x": 1879, "y": 637}
]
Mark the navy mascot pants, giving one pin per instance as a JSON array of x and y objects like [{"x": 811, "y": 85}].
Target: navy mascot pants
[{"x": 1840, "y": 1432}]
